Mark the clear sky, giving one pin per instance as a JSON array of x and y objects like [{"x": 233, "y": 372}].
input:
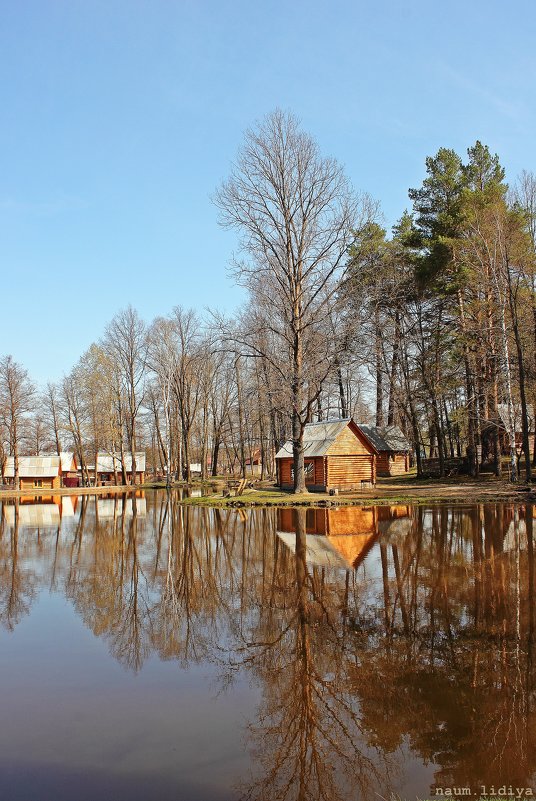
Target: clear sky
[{"x": 120, "y": 118}]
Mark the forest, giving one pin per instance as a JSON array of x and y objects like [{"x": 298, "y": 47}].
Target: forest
[{"x": 430, "y": 325}]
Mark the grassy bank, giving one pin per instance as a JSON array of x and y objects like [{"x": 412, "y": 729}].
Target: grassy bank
[{"x": 402, "y": 490}]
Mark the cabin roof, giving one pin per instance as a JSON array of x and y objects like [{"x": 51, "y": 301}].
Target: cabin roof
[
  {"x": 48, "y": 466},
  {"x": 105, "y": 462},
  {"x": 385, "y": 438},
  {"x": 317, "y": 438}
]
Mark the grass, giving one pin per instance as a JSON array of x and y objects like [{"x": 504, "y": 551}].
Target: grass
[{"x": 402, "y": 490}]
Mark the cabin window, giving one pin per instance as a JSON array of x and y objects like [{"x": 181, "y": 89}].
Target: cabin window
[
  {"x": 309, "y": 471},
  {"x": 38, "y": 482}
]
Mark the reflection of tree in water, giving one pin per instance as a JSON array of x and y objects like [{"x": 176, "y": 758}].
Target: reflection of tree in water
[
  {"x": 460, "y": 683},
  {"x": 170, "y": 593},
  {"x": 110, "y": 589},
  {"x": 308, "y": 740},
  {"x": 18, "y": 587},
  {"x": 128, "y": 634},
  {"x": 429, "y": 644}
]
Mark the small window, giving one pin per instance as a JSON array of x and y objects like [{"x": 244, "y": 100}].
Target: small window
[
  {"x": 309, "y": 471},
  {"x": 38, "y": 482}
]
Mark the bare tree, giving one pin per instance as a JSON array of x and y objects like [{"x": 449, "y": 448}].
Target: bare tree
[
  {"x": 51, "y": 404},
  {"x": 295, "y": 211},
  {"x": 17, "y": 396},
  {"x": 126, "y": 342}
]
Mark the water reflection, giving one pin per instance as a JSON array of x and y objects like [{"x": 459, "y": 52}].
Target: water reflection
[{"x": 390, "y": 648}]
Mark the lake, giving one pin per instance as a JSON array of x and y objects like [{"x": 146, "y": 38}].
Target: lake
[{"x": 154, "y": 651}]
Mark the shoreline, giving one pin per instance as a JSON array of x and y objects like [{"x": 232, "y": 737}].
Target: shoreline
[
  {"x": 47, "y": 492},
  {"x": 379, "y": 496},
  {"x": 410, "y": 491}
]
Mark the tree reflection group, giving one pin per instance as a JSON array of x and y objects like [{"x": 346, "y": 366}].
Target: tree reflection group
[{"x": 425, "y": 646}]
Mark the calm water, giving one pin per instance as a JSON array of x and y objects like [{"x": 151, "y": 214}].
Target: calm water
[{"x": 150, "y": 651}]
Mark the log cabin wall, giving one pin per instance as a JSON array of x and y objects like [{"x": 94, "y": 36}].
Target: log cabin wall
[
  {"x": 399, "y": 464},
  {"x": 347, "y": 472},
  {"x": 40, "y": 483},
  {"x": 392, "y": 464}
]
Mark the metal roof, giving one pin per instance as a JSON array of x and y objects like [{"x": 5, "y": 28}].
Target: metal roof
[
  {"x": 502, "y": 409},
  {"x": 386, "y": 438},
  {"x": 373, "y": 435},
  {"x": 33, "y": 466},
  {"x": 105, "y": 462},
  {"x": 39, "y": 466},
  {"x": 317, "y": 438},
  {"x": 395, "y": 438},
  {"x": 66, "y": 461}
]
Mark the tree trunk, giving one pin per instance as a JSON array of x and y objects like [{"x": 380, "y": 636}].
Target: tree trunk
[
  {"x": 472, "y": 453},
  {"x": 378, "y": 367},
  {"x": 394, "y": 371},
  {"x": 522, "y": 378}
]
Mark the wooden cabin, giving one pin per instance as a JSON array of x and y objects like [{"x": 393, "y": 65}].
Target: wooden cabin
[
  {"x": 337, "y": 456},
  {"x": 254, "y": 463},
  {"x": 504, "y": 436},
  {"x": 392, "y": 446},
  {"x": 47, "y": 472},
  {"x": 109, "y": 467}
]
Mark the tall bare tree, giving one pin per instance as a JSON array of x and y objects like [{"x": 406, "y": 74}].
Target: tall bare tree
[
  {"x": 17, "y": 397},
  {"x": 126, "y": 342},
  {"x": 295, "y": 211}
]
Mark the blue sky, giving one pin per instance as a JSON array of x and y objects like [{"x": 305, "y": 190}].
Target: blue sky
[{"x": 119, "y": 120}]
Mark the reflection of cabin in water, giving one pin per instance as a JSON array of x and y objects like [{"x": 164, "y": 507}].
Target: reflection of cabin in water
[
  {"x": 341, "y": 537},
  {"x": 109, "y": 469},
  {"x": 337, "y": 456},
  {"x": 110, "y": 508},
  {"x": 39, "y": 515},
  {"x": 392, "y": 446},
  {"x": 47, "y": 472}
]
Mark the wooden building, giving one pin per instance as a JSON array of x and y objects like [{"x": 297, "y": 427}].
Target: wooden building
[
  {"x": 504, "y": 436},
  {"x": 254, "y": 463},
  {"x": 109, "y": 468},
  {"x": 337, "y": 456},
  {"x": 46, "y": 472},
  {"x": 392, "y": 446}
]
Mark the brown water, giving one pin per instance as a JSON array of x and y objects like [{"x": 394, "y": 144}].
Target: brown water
[{"x": 152, "y": 651}]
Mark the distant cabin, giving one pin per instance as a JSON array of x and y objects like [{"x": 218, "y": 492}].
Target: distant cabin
[
  {"x": 109, "y": 466},
  {"x": 337, "y": 456},
  {"x": 47, "y": 472},
  {"x": 504, "y": 425},
  {"x": 254, "y": 462},
  {"x": 392, "y": 446}
]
